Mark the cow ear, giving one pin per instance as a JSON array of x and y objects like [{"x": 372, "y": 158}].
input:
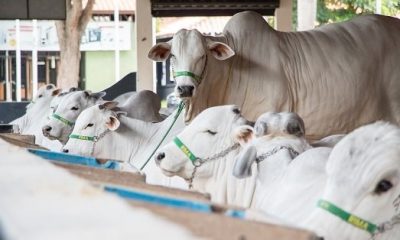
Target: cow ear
[
  {"x": 244, "y": 161},
  {"x": 97, "y": 95},
  {"x": 219, "y": 50},
  {"x": 112, "y": 123},
  {"x": 244, "y": 134},
  {"x": 108, "y": 105},
  {"x": 56, "y": 92},
  {"x": 295, "y": 126},
  {"x": 160, "y": 52}
]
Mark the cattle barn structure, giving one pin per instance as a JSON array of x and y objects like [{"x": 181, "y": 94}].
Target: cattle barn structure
[{"x": 210, "y": 160}]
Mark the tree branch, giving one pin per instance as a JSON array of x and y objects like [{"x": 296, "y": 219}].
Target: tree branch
[
  {"x": 85, "y": 16},
  {"x": 61, "y": 34},
  {"x": 75, "y": 13}
]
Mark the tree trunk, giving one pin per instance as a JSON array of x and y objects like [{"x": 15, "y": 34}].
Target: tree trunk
[{"x": 69, "y": 34}]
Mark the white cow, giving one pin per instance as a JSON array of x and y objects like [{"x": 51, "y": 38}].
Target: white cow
[
  {"x": 363, "y": 179},
  {"x": 203, "y": 154},
  {"x": 123, "y": 138},
  {"x": 61, "y": 123},
  {"x": 36, "y": 115},
  {"x": 143, "y": 105},
  {"x": 336, "y": 77},
  {"x": 290, "y": 174}
]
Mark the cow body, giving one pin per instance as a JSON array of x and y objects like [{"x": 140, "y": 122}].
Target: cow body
[{"x": 336, "y": 77}]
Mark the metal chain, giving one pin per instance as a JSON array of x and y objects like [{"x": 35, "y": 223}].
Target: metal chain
[
  {"x": 264, "y": 156},
  {"x": 201, "y": 161},
  {"x": 386, "y": 226},
  {"x": 96, "y": 139}
]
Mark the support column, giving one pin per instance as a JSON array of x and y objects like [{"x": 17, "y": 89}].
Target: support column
[
  {"x": 18, "y": 61},
  {"x": 34, "y": 59},
  {"x": 283, "y": 16},
  {"x": 145, "y": 38},
  {"x": 306, "y": 14},
  {"x": 116, "y": 35}
]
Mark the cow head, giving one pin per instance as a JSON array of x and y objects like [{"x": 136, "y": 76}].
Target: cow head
[
  {"x": 92, "y": 123},
  {"x": 208, "y": 134},
  {"x": 363, "y": 179},
  {"x": 189, "y": 51},
  {"x": 44, "y": 95},
  {"x": 62, "y": 120},
  {"x": 271, "y": 131}
]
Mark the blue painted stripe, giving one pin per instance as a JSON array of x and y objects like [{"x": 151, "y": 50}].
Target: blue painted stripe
[
  {"x": 74, "y": 159},
  {"x": 160, "y": 200},
  {"x": 235, "y": 213}
]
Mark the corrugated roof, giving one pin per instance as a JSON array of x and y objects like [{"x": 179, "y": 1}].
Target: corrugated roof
[
  {"x": 107, "y": 6},
  {"x": 207, "y": 25}
]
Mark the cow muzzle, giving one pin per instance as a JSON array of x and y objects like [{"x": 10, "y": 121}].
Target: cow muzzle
[
  {"x": 46, "y": 130},
  {"x": 185, "y": 91}
]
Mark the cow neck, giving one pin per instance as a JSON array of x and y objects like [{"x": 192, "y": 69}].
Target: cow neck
[
  {"x": 136, "y": 139},
  {"x": 216, "y": 75},
  {"x": 273, "y": 168},
  {"x": 223, "y": 186}
]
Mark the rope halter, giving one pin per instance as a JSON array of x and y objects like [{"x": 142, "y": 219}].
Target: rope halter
[
  {"x": 355, "y": 221},
  {"x": 197, "y": 78},
  {"x": 93, "y": 139},
  {"x": 63, "y": 120},
  {"x": 196, "y": 161}
]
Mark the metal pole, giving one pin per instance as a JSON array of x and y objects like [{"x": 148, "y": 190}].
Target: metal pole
[
  {"x": 18, "y": 60},
  {"x": 8, "y": 80},
  {"x": 34, "y": 60},
  {"x": 116, "y": 42}
]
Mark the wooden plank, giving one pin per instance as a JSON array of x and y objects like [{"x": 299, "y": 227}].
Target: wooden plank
[
  {"x": 25, "y": 141},
  {"x": 220, "y": 227},
  {"x": 127, "y": 179}
]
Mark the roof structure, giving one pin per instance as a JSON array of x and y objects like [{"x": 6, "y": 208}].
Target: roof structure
[
  {"x": 206, "y": 25},
  {"x": 107, "y": 6}
]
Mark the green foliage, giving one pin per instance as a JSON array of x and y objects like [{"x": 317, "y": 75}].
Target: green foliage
[{"x": 342, "y": 10}]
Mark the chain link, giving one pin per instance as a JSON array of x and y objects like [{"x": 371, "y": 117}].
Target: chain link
[
  {"x": 264, "y": 156},
  {"x": 96, "y": 139},
  {"x": 200, "y": 161},
  {"x": 386, "y": 226}
]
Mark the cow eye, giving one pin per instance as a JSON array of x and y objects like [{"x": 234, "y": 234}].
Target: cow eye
[
  {"x": 90, "y": 125},
  {"x": 40, "y": 96},
  {"x": 383, "y": 186},
  {"x": 74, "y": 108},
  {"x": 211, "y": 132}
]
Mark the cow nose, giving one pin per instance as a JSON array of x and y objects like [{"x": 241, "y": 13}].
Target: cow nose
[
  {"x": 160, "y": 156},
  {"x": 46, "y": 129},
  {"x": 65, "y": 150},
  {"x": 185, "y": 91}
]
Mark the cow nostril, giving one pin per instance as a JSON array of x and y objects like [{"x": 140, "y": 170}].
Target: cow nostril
[
  {"x": 47, "y": 128},
  {"x": 160, "y": 156},
  {"x": 190, "y": 90},
  {"x": 65, "y": 150},
  {"x": 180, "y": 89}
]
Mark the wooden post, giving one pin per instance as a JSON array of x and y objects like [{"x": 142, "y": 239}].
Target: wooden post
[
  {"x": 283, "y": 16},
  {"x": 144, "y": 41}
]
